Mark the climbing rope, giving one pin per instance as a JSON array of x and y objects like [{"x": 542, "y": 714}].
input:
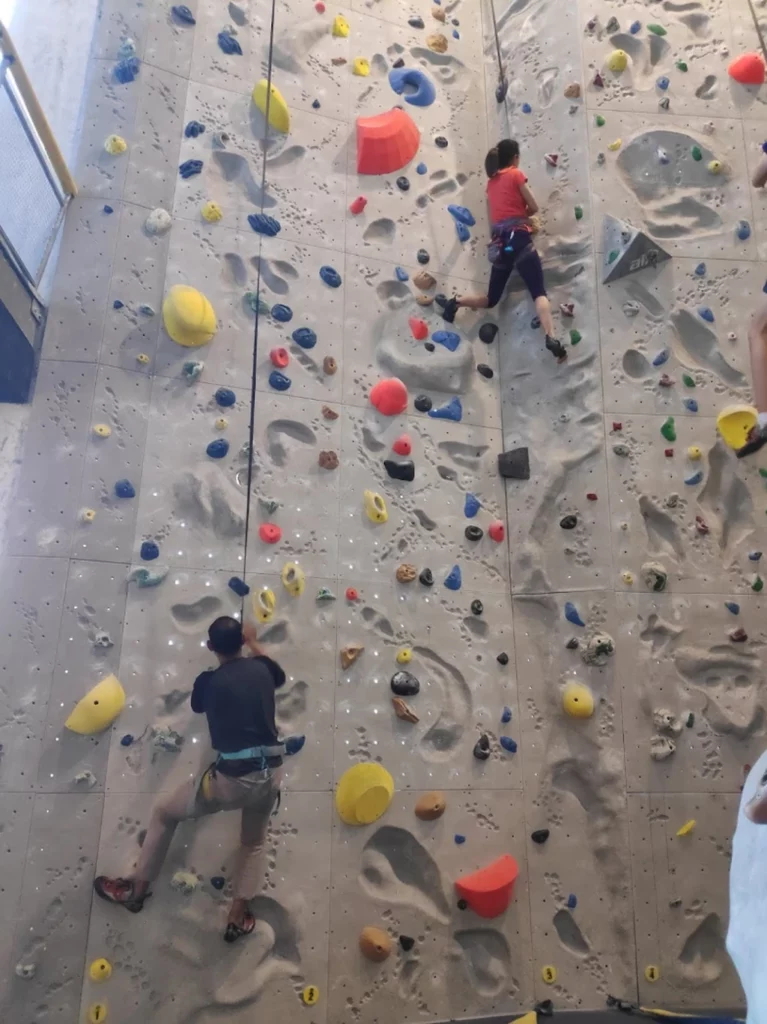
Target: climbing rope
[
  {"x": 500, "y": 89},
  {"x": 758, "y": 29}
]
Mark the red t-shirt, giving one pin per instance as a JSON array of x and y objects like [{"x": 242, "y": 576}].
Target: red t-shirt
[{"x": 503, "y": 195}]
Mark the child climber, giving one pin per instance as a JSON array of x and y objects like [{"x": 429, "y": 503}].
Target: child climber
[{"x": 511, "y": 204}]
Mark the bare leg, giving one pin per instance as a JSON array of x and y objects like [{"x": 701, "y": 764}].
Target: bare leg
[
  {"x": 472, "y": 301},
  {"x": 757, "y": 343},
  {"x": 237, "y": 912},
  {"x": 543, "y": 309},
  {"x": 759, "y": 178}
]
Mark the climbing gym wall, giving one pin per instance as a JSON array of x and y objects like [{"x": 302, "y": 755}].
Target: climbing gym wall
[{"x": 546, "y": 681}]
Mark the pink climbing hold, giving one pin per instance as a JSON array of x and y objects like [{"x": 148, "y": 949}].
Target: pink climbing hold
[
  {"x": 403, "y": 445},
  {"x": 418, "y": 328},
  {"x": 279, "y": 357},
  {"x": 488, "y": 891},
  {"x": 389, "y": 396},
  {"x": 358, "y": 205},
  {"x": 270, "y": 533},
  {"x": 496, "y": 531}
]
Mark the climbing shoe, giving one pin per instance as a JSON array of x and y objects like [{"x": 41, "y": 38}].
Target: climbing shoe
[
  {"x": 757, "y": 438},
  {"x": 556, "y": 348},
  {"x": 450, "y": 309},
  {"x": 119, "y": 891}
]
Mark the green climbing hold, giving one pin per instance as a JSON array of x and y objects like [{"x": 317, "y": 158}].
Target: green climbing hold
[
  {"x": 575, "y": 336},
  {"x": 323, "y": 594},
  {"x": 579, "y": 213},
  {"x": 696, "y": 153},
  {"x": 613, "y": 256},
  {"x": 681, "y": 65},
  {"x": 657, "y": 30},
  {"x": 599, "y": 121},
  {"x": 758, "y": 584},
  {"x": 256, "y": 304},
  {"x": 688, "y": 380},
  {"x": 763, "y": 473},
  {"x": 668, "y": 429}
]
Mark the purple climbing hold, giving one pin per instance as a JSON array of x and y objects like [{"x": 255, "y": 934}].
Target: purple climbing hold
[
  {"x": 182, "y": 13},
  {"x": 263, "y": 224},
  {"x": 293, "y": 744},
  {"x": 706, "y": 314},
  {"x": 218, "y": 882},
  {"x": 455, "y": 34},
  {"x": 117, "y": 304},
  {"x": 421, "y": 169},
  {"x": 218, "y": 449},
  {"x": 506, "y": 715},
  {"x": 125, "y": 489},
  {"x": 508, "y": 744},
  {"x": 126, "y": 740},
  {"x": 228, "y": 43},
  {"x": 526, "y": 108},
  {"x": 240, "y": 587},
  {"x": 282, "y": 313},
  {"x": 461, "y": 213},
  {"x": 193, "y": 129},
  {"x": 189, "y": 168},
  {"x": 304, "y": 337},
  {"x": 225, "y": 397},
  {"x": 453, "y": 579},
  {"x": 572, "y": 901},
  {"x": 459, "y": 839},
  {"x": 471, "y": 505},
  {"x": 279, "y": 381},
  {"x": 449, "y": 339},
  {"x": 126, "y": 70},
  {"x": 453, "y": 410},
  {"x": 330, "y": 276},
  {"x": 149, "y": 551},
  {"x": 571, "y": 614}
]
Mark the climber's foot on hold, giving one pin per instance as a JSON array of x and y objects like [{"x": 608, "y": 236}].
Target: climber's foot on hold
[
  {"x": 239, "y": 929},
  {"x": 450, "y": 309},
  {"x": 120, "y": 891},
  {"x": 556, "y": 348},
  {"x": 757, "y": 438}
]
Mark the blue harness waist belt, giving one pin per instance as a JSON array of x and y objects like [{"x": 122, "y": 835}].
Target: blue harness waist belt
[{"x": 253, "y": 753}]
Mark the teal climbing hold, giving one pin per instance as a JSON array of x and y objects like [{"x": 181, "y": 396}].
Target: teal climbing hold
[
  {"x": 453, "y": 579},
  {"x": 452, "y": 411},
  {"x": 144, "y": 577}
]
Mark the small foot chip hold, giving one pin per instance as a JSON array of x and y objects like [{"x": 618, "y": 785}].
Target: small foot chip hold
[
  {"x": 651, "y": 972},
  {"x": 406, "y": 942},
  {"x": 549, "y": 974},
  {"x": 687, "y": 828},
  {"x": 514, "y": 464},
  {"x": 185, "y": 882},
  {"x": 403, "y": 710},
  {"x": 350, "y": 654},
  {"x": 115, "y": 145},
  {"x": 310, "y": 995},
  {"x": 430, "y": 806},
  {"x": 144, "y": 577},
  {"x": 97, "y": 1013},
  {"x": 375, "y": 944}
]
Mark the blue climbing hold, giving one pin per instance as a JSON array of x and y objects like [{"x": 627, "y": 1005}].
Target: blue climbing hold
[
  {"x": 217, "y": 449},
  {"x": 330, "y": 276},
  {"x": 218, "y": 882},
  {"x": 754, "y": 556},
  {"x": 462, "y": 231},
  {"x": 449, "y": 339},
  {"x": 506, "y": 715},
  {"x": 149, "y": 551},
  {"x": 455, "y": 34},
  {"x": 279, "y": 381},
  {"x": 225, "y": 397},
  {"x": 572, "y": 901},
  {"x": 283, "y": 314},
  {"x": 108, "y": 209},
  {"x": 743, "y": 230},
  {"x": 293, "y": 744},
  {"x": 402, "y": 274},
  {"x": 453, "y": 579},
  {"x": 425, "y": 92},
  {"x": 459, "y": 839},
  {"x": 463, "y": 214},
  {"x": 126, "y": 70},
  {"x": 305, "y": 337},
  {"x": 508, "y": 744},
  {"x": 452, "y": 411},
  {"x": 189, "y": 168},
  {"x": 696, "y": 478},
  {"x": 662, "y": 83},
  {"x": 126, "y": 740},
  {"x": 700, "y": 270},
  {"x": 184, "y": 15},
  {"x": 263, "y": 224},
  {"x": 661, "y": 357},
  {"x": 117, "y": 304},
  {"x": 228, "y": 43},
  {"x": 635, "y": 27},
  {"x": 471, "y": 505},
  {"x": 421, "y": 169},
  {"x": 732, "y": 606},
  {"x": 193, "y": 129},
  {"x": 125, "y": 489},
  {"x": 240, "y": 587},
  {"x": 691, "y": 405},
  {"x": 316, "y": 104},
  {"x": 526, "y": 108},
  {"x": 571, "y": 614},
  {"x": 706, "y": 314}
]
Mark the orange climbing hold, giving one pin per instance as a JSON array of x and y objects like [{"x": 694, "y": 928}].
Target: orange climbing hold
[
  {"x": 488, "y": 891},
  {"x": 418, "y": 328},
  {"x": 389, "y": 396},
  {"x": 386, "y": 142},
  {"x": 747, "y": 69}
]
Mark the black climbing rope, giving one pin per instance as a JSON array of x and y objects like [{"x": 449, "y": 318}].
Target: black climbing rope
[
  {"x": 503, "y": 85},
  {"x": 758, "y": 29}
]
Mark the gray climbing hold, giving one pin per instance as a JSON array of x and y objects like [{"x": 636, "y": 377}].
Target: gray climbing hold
[
  {"x": 571, "y": 614},
  {"x": 404, "y": 684},
  {"x": 514, "y": 464},
  {"x": 627, "y": 250},
  {"x": 167, "y": 739}
]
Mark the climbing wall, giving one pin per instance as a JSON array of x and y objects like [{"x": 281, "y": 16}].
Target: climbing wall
[{"x": 618, "y": 572}]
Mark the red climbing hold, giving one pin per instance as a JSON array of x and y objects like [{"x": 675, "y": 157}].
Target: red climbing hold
[
  {"x": 496, "y": 531},
  {"x": 488, "y": 891},
  {"x": 668, "y": 452},
  {"x": 418, "y": 328},
  {"x": 358, "y": 205},
  {"x": 617, "y": 426},
  {"x": 269, "y": 533},
  {"x": 403, "y": 445},
  {"x": 386, "y": 142},
  {"x": 319, "y": 7},
  {"x": 352, "y": 594},
  {"x": 747, "y": 69},
  {"x": 389, "y": 396},
  {"x": 279, "y": 357},
  {"x": 591, "y": 496}
]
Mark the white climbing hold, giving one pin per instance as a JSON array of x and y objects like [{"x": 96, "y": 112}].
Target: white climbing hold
[
  {"x": 185, "y": 882},
  {"x": 158, "y": 222},
  {"x": 661, "y": 748}
]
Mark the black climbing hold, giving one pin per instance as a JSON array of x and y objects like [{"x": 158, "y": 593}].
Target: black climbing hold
[
  {"x": 477, "y": 607},
  {"x": 440, "y": 300},
  {"x": 400, "y": 470},
  {"x": 422, "y": 403},
  {"x": 404, "y": 684},
  {"x": 502, "y": 658},
  {"x": 485, "y": 371},
  {"x": 240, "y": 587},
  {"x": 422, "y": 256},
  {"x": 415, "y": 22},
  {"x": 462, "y": 904},
  {"x": 399, "y": 63},
  {"x": 546, "y": 1008},
  {"x": 406, "y": 942},
  {"x": 572, "y": 644},
  {"x": 316, "y": 104},
  {"x": 429, "y": 346},
  {"x": 441, "y": 142},
  {"x": 473, "y": 532},
  {"x": 487, "y": 332},
  {"x": 535, "y": 323},
  {"x": 540, "y": 835},
  {"x": 184, "y": 15},
  {"x": 500, "y": 90},
  {"x": 568, "y": 522},
  {"x": 426, "y": 578},
  {"x": 690, "y": 720},
  {"x": 514, "y": 464},
  {"x": 482, "y": 748},
  {"x": 218, "y": 881},
  {"x": 403, "y": 184}
]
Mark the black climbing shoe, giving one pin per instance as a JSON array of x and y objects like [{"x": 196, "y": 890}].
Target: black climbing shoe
[
  {"x": 236, "y": 931},
  {"x": 757, "y": 438},
  {"x": 556, "y": 348},
  {"x": 119, "y": 891},
  {"x": 449, "y": 310}
]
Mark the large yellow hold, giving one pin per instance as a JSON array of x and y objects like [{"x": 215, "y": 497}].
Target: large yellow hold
[
  {"x": 98, "y": 708},
  {"x": 734, "y": 423},
  {"x": 279, "y": 115},
  {"x": 340, "y": 27},
  {"x": 578, "y": 701},
  {"x": 188, "y": 316},
  {"x": 364, "y": 793},
  {"x": 618, "y": 60}
]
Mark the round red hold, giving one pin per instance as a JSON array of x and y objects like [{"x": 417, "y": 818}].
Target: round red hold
[
  {"x": 319, "y": 7},
  {"x": 279, "y": 357},
  {"x": 269, "y": 533},
  {"x": 591, "y": 496},
  {"x": 358, "y": 205},
  {"x": 418, "y": 328},
  {"x": 389, "y": 396},
  {"x": 668, "y": 452},
  {"x": 352, "y": 594},
  {"x": 617, "y": 426},
  {"x": 403, "y": 445},
  {"x": 496, "y": 530}
]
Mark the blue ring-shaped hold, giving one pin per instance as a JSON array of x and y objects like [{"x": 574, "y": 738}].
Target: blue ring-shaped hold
[
  {"x": 305, "y": 337},
  {"x": 282, "y": 313},
  {"x": 217, "y": 449},
  {"x": 279, "y": 381},
  {"x": 425, "y": 92}
]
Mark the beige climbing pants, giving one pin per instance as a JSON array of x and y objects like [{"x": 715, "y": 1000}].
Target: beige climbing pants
[{"x": 255, "y": 795}]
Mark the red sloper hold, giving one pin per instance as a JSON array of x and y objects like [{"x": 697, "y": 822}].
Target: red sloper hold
[
  {"x": 403, "y": 445},
  {"x": 496, "y": 531},
  {"x": 389, "y": 396},
  {"x": 358, "y": 205},
  {"x": 488, "y": 891},
  {"x": 269, "y": 533},
  {"x": 747, "y": 69},
  {"x": 386, "y": 142},
  {"x": 418, "y": 328}
]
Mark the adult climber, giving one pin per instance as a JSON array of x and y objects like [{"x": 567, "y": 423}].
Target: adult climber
[
  {"x": 238, "y": 699},
  {"x": 757, "y": 344},
  {"x": 511, "y": 205}
]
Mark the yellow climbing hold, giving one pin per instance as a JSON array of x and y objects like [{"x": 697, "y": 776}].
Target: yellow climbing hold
[
  {"x": 361, "y": 67},
  {"x": 293, "y": 579},
  {"x": 340, "y": 27},
  {"x": 102, "y": 430},
  {"x": 694, "y": 452},
  {"x": 364, "y": 793},
  {"x": 528, "y": 1018},
  {"x": 687, "y": 828},
  {"x": 715, "y": 167},
  {"x": 88, "y": 515},
  {"x": 98, "y": 708},
  {"x": 188, "y": 316},
  {"x": 375, "y": 507},
  {"x": 578, "y": 701},
  {"x": 627, "y": 577},
  {"x": 263, "y": 604},
  {"x": 734, "y": 423},
  {"x": 100, "y": 970},
  {"x": 310, "y": 995},
  {"x": 615, "y": 145},
  {"x": 404, "y": 655},
  {"x": 221, "y": 423},
  {"x": 212, "y": 212},
  {"x": 115, "y": 145},
  {"x": 97, "y": 1013},
  {"x": 618, "y": 60},
  {"x": 279, "y": 115},
  {"x": 142, "y": 358},
  {"x": 651, "y": 972},
  {"x": 549, "y": 974}
]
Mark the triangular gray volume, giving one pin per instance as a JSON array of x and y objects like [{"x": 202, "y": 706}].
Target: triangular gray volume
[{"x": 627, "y": 250}]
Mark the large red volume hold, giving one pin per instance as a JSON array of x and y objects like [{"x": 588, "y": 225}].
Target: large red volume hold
[
  {"x": 389, "y": 396},
  {"x": 747, "y": 69},
  {"x": 488, "y": 891},
  {"x": 386, "y": 142}
]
